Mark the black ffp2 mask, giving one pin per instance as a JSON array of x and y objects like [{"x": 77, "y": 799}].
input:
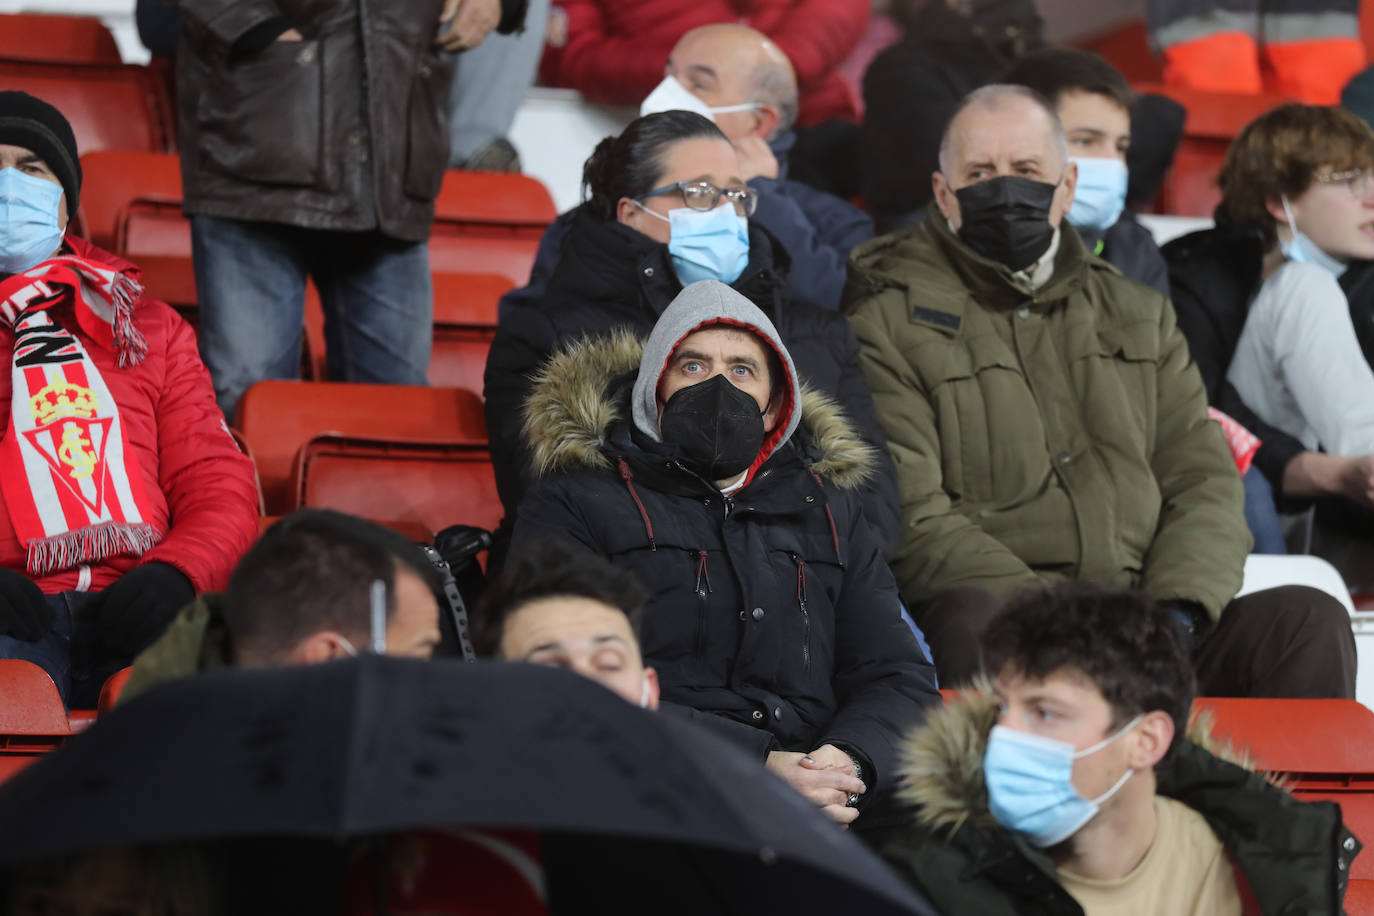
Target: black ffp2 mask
[
  {"x": 718, "y": 427},
  {"x": 1007, "y": 219}
]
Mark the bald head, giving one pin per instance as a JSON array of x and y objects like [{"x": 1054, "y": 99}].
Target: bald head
[
  {"x": 1003, "y": 131},
  {"x": 727, "y": 64}
]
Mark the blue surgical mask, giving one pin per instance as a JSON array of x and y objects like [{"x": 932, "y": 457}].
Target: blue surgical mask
[
  {"x": 706, "y": 244},
  {"x": 1302, "y": 249},
  {"x": 1101, "y": 193},
  {"x": 1030, "y": 784},
  {"x": 29, "y": 233}
]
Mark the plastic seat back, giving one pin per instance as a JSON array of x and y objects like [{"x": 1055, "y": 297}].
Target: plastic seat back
[
  {"x": 31, "y": 705},
  {"x": 465, "y": 315},
  {"x": 277, "y": 418},
  {"x": 429, "y": 484},
  {"x": 113, "y": 179},
  {"x": 110, "y": 106},
  {"x": 57, "y": 39},
  {"x": 489, "y": 222}
]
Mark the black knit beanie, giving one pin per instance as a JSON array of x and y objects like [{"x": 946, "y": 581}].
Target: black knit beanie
[{"x": 35, "y": 125}]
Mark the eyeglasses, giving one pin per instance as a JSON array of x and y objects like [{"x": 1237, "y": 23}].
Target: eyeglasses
[
  {"x": 1357, "y": 181},
  {"x": 702, "y": 195}
]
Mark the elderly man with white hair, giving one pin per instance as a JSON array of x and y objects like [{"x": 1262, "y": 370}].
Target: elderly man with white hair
[{"x": 1048, "y": 423}]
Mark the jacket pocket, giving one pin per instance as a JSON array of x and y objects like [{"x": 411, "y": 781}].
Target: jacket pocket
[
  {"x": 427, "y": 140},
  {"x": 260, "y": 118}
]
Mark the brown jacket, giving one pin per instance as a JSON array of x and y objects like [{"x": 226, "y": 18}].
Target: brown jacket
[{"x": 346, "y": 130}]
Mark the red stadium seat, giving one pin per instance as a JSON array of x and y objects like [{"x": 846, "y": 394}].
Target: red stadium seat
[
  {"x": 112, "y": 180},
  {"x": 278, "y": 418},
  {"x": 1324, "y": 747},
  {"x": 114, "y": 685},
  {"x": 489, "y": 222},
  {"x": 465, "y": 307},
  {"x": 33, "y": 720},
  {"x": 429, "y": 484},
  {"x": 57, "y": 39},
  {"x": 110, "y": 106},
  {"x": 1214, "y": 119}
]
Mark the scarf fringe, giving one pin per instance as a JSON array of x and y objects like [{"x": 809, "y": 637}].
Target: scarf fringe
[
  {"x": 89, "y": 545},
  {"x": 130, "y": 344}
]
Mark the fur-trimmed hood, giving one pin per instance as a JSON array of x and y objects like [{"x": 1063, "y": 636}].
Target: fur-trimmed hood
[
  {"x": 942, "y": 761},
  {"x": 574, "y": 404}
]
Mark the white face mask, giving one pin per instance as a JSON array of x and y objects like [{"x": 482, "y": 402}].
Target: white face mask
[{"x": 670, "y": 95}]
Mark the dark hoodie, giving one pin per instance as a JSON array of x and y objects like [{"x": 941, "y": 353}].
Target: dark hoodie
[{"x": 773, "y": 617}]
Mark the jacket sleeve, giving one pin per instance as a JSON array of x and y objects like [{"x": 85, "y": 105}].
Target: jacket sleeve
[
  {"x": 881, "y": 504},
  {"x": 211, "y": 492},
  {"x": 1201, "y": 541},
  {"x": 817, "y": 35},
  {"x": 882, "y": 681},
  {"x": 818, "y": 241},
  {"x": 545, "y": 260},
  {"x": 226, "y": 21},
  {"x": 755, "y": 742},
  {"x": 613, "y": 69},
  {"x": 523, "y": 341},
  {"x": 940, "y": 548}
]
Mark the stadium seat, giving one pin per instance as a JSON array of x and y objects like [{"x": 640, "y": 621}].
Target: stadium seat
[
  {"x": 112, "y": 180},
  {"x": 110, "y": 106},
  {"x": 1325, "y": 748},
  {"x": 277, "y": 418},
  {"x": 57, "y": 39},
  {"x": 431, "y": 484},
  {"x": 1214, "y": 119},
  {"x": 489, "y": 222},
  {"x": 114, "y": 685},
  {"x": 33, "y": 720},
  {"x": 465, "y": 315}
]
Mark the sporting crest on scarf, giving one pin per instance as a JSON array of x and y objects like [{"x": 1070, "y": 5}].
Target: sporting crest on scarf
[{"x": 71, "y": 483}]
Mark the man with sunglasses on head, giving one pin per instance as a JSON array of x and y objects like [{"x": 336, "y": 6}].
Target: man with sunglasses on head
[
  {"x": 1048, "y": 423},
  {"x": 667, "y": 206}
]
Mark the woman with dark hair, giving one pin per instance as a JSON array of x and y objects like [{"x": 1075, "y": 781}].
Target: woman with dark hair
[{"x": 665, "y": 207}]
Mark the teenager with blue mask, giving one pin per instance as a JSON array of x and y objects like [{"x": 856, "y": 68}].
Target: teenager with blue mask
[
  {"x": 1067, "y": 785},
  {"x": 1094, "y": 102},
  {"x": 667, "y": 206}
]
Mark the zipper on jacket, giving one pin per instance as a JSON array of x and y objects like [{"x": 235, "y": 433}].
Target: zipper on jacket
[
  {"x": 806, "y": 616},
  {"x": 729, "y": 504},
  {"x": 703, "y": 589}
]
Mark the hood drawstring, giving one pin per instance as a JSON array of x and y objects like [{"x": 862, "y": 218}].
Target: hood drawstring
[
  {"x": 830, "y": 517},
  {"x": 629, "y": 479},
  {"x": 703, "y": 575}
]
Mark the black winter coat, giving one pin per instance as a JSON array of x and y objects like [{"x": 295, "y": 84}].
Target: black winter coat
[
  {"x": 1214, "y": 275},
  {"x": 1131, "y": 249},
  {"x": 772, "y": 615},
  {"x": 611, "y": 276}
]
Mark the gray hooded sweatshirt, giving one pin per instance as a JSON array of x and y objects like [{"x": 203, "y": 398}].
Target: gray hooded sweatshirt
[{"x": 703, "y": 304}]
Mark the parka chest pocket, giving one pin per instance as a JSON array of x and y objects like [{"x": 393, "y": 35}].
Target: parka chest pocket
[
  {"x": 260, "y": 118},
  {"x": 987, "y": 421},
  {"x": 1115, "y": 373},
  {"x": 808, "y": 583}
]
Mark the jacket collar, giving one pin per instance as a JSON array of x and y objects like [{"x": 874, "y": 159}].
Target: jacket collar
[
  {"x": 781, "y": 146},
  {"x": 942, "y": 779},
  {"x": 576, "y": 416}
]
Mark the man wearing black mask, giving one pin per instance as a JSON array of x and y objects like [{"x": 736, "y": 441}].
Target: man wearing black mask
[
  {"x": 698, "y": 460},
  {"x": 1047, "y": 422}
]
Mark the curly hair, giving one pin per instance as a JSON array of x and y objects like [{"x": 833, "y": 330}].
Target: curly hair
[
  {"x": 1281, "y": 153},
  {"x": 1129, "y": 648},
  {"x": 552, "y": 569}
]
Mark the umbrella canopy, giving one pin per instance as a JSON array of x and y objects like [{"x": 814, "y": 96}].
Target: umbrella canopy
[{"x": 376, "y": 745}]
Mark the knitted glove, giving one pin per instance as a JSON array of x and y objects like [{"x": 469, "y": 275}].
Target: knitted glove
[
  {"x": 135, "y": 610},
  {"x": 24, "y": 613}
]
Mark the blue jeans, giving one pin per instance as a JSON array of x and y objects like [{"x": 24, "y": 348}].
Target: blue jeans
[
  {"x": 68, "y": 651},
  {"x": 250, "y": 279},
  {"x": 489, "y": 83},
  {"x": 1261, "y": 514}
]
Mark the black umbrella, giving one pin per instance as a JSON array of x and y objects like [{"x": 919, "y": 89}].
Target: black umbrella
[{"x": 375, "y": 746}]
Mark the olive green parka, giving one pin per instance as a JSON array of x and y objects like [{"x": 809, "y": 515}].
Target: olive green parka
[{"x": 1042, "y": 435}]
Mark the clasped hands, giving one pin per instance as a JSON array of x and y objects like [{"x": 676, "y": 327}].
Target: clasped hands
[{"x": 825, "y": 777}]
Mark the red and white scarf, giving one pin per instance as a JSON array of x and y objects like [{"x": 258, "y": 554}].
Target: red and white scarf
[{"x": 70, "y": 480}]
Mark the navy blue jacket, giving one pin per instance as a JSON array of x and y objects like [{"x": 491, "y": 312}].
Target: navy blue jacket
[{"x": 816, "y": 229}]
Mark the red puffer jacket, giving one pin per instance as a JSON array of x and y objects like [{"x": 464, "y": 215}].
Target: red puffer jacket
[
  {"x": 613, "y": 51},
  {"x": 200, "y": 486}
]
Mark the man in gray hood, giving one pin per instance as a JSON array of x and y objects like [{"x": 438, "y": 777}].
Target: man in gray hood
[{"x": 701, "y": 462}]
